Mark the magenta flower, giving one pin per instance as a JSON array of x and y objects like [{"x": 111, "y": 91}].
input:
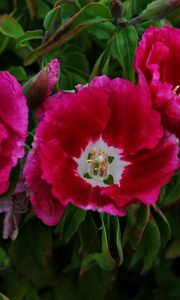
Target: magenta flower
[
  {"x": 101, "y": 148},
  {"x": 13, "y": 126},
  {"x": 157, "y": 63}
]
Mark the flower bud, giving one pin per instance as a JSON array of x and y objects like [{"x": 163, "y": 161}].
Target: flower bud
[
  {"x": 36, "y": 89},
  {"x": 40, "y": 86},
  {"x": 116, "y": 8},
  {"x": 159, "y": 9}
]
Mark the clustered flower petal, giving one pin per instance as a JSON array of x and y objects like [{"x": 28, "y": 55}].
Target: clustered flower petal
[
  {"x": 100, "y": 148},
  {"x": 157, "y": 62},
  {"x": 13, "y": 126}
]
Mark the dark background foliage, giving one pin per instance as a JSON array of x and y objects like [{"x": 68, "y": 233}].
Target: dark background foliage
[{"x": 87, "y": 255}]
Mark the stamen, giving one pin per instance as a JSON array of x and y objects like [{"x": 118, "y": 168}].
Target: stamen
[
  {"x": 98, "y": 161},
  {"x": 100, "y": 164}
]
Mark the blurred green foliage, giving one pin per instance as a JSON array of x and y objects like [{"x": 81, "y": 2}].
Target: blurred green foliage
[{"x": 87, "y": 256}]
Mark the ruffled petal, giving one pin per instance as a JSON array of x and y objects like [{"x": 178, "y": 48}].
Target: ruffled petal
[
  {"x": 13, "y": 125},
  {"x": 75, "y": 120},
  {"x": 60, "y": 170},
  {"x": 147, "y": 173},
  {"x": 13, "y": 108},
  {"x": 157, "y": 61},
  {"x": 47, "y": 207},
  {"x": 133, "y": 125},
  {"x": 158, "y": 55}
]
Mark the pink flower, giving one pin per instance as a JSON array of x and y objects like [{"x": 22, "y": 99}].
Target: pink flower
[
  {"x": 13, "y": 126},
  {"x": 157, "y": 62},
  {"x": 101, "y": 149}
]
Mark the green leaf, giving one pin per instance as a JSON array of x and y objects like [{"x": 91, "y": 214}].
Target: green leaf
[
  {"x": 29, "y": 35},
  {"x": 41, "y": 9},
  {"x": 148, "y": 247},
  {"x": 31, "y": 294},
  {"x": 4, "y": 42},
  {"x": 173, "y": 250},
  {"x": 136, "y": 221},
  {"x": 170, "y": 193},
  {"x": 19, "y": 72},
  {"x": 102, "y": 31},
  {"x": 4, "y": 259},
  {"x": 163, "y": 225},
  {"x": 101, "y": 66},
  {"x": 123, "y": 48},
  {"x": 29, "y": 253},
  {"x": 174, "y": 18},
  {"x": 92, "y": 13},
  {"x": 111, "y": 255},
  {"x": 88, "y": 245},
  {"x": 138, "y": 6},
  {"x": 53, "y": 19},
  {"x": 159, "y": 9},
  {"x": 70, "y": 222},
  {"x": 9, "y": 26}
]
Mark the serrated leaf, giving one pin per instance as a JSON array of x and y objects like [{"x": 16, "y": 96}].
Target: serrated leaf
[
  {"x": 123, "y": 48},
  {"x": 70, "y": 222}
]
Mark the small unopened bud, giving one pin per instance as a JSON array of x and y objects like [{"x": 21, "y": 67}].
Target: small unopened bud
[
  {"x": 116, "y": 8},
  {"x": 36, "y": 89},
  {"x": 41, "y": 85},
  {"x": 160, "y": 9}
]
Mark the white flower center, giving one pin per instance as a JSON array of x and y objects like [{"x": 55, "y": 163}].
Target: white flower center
[{"x": 101, "y": 165}]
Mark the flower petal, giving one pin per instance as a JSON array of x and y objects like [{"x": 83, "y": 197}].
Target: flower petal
[
  {"x": 13, "y": 125},
  {"x": 75, "y": 120},
  {"x": 146, "y": 174},
  {"x": 47, "y": 207},
  {"x": 134, "y": 125}
]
